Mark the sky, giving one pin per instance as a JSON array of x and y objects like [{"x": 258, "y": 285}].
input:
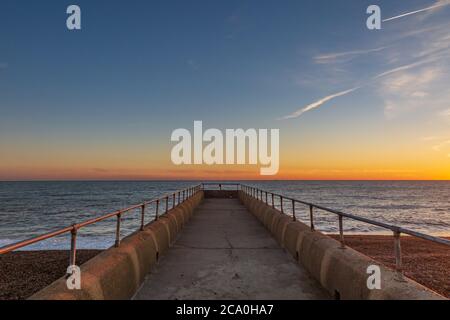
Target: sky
[{"x": 101, "y": 102}]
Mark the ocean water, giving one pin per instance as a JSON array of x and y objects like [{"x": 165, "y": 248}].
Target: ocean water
[{"x": 28, "y": 209}]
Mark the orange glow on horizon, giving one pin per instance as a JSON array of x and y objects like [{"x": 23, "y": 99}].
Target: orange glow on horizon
[
  {"x": 217, "y": 173},
  {"x": 299, "y": 160}
]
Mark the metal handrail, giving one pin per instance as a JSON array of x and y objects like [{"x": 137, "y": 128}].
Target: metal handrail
[
  {"x": 220, "y": 184},
  {"x": 183, "y": 195},
  {"x": 262, "y": 195},
  {"x": 397, "y": 231}
]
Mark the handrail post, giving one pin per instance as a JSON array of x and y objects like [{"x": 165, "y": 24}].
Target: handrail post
[
  {"x": 167, "y": 204},
  {"x": 398, "y": 256},
  {"x": 311, "y": 217},
  {"x": 117, "y": 243},
  {"x": 294, "y": 218},
  {"x": 341, "y": 232},
  {"x": 142, "y": 216},
  {"x": 250, "y": 191},
  {"x": 73, "y": 246}
]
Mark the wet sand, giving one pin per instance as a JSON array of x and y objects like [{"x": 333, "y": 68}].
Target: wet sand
[
  {"x": 426, "y": 262},
  {"x": 23, "y": 273}
]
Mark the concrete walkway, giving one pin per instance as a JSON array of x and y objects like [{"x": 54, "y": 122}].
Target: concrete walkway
[{"x": 225, "y": 253}]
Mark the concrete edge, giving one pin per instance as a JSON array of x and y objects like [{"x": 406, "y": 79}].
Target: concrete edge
[
  {"x": 342, "y": 272},
  {"x": 117, "y": 273}
]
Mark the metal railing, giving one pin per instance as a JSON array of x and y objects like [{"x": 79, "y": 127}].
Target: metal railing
[
  {"x": 176, "y": 198},
  {"x": 222, "y": 186},
  {"x": 269, "y": 198}
]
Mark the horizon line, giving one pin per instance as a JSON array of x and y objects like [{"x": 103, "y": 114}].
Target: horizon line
[{"x": 206, "y": 180}]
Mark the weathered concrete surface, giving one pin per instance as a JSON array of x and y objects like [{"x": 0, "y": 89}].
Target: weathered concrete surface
[
  {"x": 343, "y": 272},
  {"x": 117, "y": 273},
  {"x": 225, "y": 253}
]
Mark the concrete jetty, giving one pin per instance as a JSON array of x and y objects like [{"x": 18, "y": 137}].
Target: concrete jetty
[
  {"x": 225, "y": 253},
  {"x": 231, "y": 244}
]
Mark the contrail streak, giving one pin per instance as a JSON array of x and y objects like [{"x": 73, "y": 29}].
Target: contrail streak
[
  {"x": 417, "y": 11},
  {"x": 402, "y": 68},
  {"x": 318, "y": 103},
  {"x": 331, "y": 56}
]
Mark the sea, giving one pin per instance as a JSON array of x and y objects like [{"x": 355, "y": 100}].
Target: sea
[{"x": 28, "y": 209}]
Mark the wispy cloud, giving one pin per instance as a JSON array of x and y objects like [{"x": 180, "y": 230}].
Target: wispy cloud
[
  {"x": 339, "y": 56},
  {"x": 401, "y": 68},
  {"x": 430, "y": 138},
  {"x": 418, "y": 82},
  {"x": 435, "y": 6},
  {"x": 445, "y": 113},
  {"x": 441, "y": 145},
  {"x": 317, "y": 104},
  {"x": 321, "y": 101},
  {"x": 420, "y": 86}
]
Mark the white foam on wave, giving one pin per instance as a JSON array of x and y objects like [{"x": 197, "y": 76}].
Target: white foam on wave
[{"x": 63, "y": 244}]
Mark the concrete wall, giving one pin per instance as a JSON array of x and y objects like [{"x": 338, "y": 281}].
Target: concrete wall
[
  {"x": 221, "y": 194},
  {"x": 342, "y": 272},
  {"x": 117, "y": 273}
]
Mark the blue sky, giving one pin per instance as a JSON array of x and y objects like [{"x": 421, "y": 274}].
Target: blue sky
[{"x": 139, "y": 69}]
